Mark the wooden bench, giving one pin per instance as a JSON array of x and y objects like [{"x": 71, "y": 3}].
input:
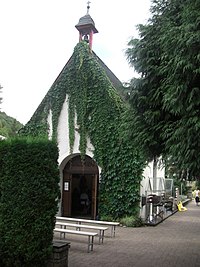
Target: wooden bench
[
  {"x": 75, "y": 232},
  {"x": 80, "y": 221},
  {"x": 79, "y": 226}
]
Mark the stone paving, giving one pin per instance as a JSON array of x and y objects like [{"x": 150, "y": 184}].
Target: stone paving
[{"x": 174, "y": 242}]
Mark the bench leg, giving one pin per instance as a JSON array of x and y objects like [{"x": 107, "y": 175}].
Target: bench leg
[
  {"x": 90, "y": 243},
  {"x": 65, "y": 228},
  {"x": 101, "y": 236},
  {"x": 62, "y": 234},
  {"x": 113, "y": 230}
]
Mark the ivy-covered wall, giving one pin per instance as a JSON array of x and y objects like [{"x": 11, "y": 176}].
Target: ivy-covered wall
[{"x": 100, "y": 110}]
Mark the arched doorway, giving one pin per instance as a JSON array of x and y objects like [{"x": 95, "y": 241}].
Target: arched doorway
[{"x": 80, "y": 188}]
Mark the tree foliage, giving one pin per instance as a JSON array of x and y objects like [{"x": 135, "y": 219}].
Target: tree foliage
[
  {"x": 0, "y": 92},
  {"x": 9, "y": 126},
  {"x": 166, "y": 99}
]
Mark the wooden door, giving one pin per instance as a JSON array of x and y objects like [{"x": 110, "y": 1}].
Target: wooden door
[
  {"x": 67, "y": 185},
  {"x": 94, "y": 196}
]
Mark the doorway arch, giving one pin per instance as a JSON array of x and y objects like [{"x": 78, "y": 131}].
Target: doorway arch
[{"x": 80, "y": 187}]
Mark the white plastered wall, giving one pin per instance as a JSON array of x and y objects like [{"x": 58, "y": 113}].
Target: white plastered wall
[
  {"x": 63, "y": 140},
  {"x": 148, "y": 173},
  {"x": 148, "y": 176},
  {"x": 63, "y": 136}
]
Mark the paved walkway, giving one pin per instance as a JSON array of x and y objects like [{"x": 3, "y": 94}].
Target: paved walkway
[{"x": 173, "y": 243}]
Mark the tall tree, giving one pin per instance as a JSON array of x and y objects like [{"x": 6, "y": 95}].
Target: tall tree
[
  {"x": 9, "y": 126},
  {"x": 0, "y": 92},
  {"x": 166, "y": 99}
]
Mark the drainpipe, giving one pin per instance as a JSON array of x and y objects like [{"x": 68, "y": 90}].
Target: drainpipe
[{"x": 155, "y": 165}]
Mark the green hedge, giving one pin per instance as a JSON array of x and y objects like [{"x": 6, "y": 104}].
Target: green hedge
[{"x": 29, "y": 191}]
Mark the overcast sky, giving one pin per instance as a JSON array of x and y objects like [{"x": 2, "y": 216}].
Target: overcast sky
[{"x": 38, "y": 37}]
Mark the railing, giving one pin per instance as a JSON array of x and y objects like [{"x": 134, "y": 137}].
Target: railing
[{"x": 158, "y": 208}]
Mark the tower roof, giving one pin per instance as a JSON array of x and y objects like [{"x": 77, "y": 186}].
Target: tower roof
[{"x": 86, "y": 23}]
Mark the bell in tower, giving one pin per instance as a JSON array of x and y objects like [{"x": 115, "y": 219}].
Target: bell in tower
[{"x": 86, "y": 27}]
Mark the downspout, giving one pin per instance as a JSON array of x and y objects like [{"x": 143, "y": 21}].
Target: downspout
[{"x": 155, "y": 165}]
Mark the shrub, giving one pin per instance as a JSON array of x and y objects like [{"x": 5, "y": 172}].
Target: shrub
[
  {"x": 29, "y": 190},
  {"x": 132, "y": 221},
  {"x": 107, "y": 218}
]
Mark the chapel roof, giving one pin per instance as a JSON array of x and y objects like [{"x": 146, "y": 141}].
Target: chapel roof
[
  {"x": 111, "y": 76},
  {"x": 60, "y": 80},
  {"x": 85, "y": 23}
]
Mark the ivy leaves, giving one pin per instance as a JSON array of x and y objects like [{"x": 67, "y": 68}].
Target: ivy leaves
[{"x": 96, "y": 111}]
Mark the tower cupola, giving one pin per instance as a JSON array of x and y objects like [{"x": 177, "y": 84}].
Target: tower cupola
[{"x": 86, "y": 27}]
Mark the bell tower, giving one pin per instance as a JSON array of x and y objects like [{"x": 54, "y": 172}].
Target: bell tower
[{"x": 86, "y": 27}]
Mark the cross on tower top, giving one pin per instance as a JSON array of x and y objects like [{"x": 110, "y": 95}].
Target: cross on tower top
[
  {"x": 88, "y": 6},
  {"x": 86, "y": 27}
]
